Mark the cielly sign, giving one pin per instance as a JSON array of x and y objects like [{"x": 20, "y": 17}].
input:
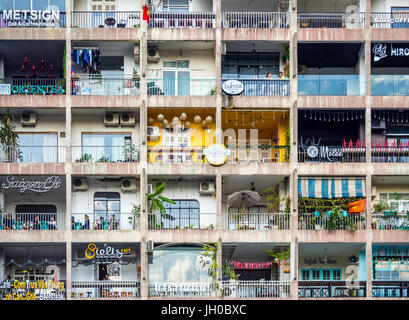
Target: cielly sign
[
  {"x": 31, "y": 18},
  {"x": 107, "y": 253}
]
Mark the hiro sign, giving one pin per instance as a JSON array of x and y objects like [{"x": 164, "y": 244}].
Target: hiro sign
[{"x": 390, "y": 54}]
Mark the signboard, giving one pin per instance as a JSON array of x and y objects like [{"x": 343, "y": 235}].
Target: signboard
[
  {"x": 26, "y": 89},
  {"x": 5, "y": 89},
  {"x": 182, "y": 287},
  {"x": 233, "y": 87},
  {"x": 39, "y": 186},
  {"x": 311, "y": 261},
  {"x": 31, "y": 18},
  {"x": 391, "y": 252},
  {"x": 35, "y": 290},
  {"x": 390, "y": 54},
  {"x": 252, "y": 265},
  {"x": 317, "y": 153},
  {"x": 106, "y": 253},
  {"x": 216, "y": 154}
]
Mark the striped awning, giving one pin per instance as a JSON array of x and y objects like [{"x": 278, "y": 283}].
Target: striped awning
[{"x": 330, "y": 188}]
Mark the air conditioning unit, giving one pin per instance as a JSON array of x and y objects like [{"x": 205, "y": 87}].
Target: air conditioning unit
[
  {"x": 153, "y": 133},
  {"x": 207, "y": 187},
  {"x": 28, "y": 119},
  {"x": 229, "y": 291},
  {"x": 128, "y": 185},
  {"x": 153, "y": 55},
  {"x": 378, "y": 124},
  {"x": 111, "y": 119},
  {"x": 79, "y": 184},
  {"x": 150, "y": 246},
  {"x": 127, "y": 119},
  {"x": 149, "y": 188}
]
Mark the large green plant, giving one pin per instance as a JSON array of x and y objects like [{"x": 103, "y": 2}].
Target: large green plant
[
  {"x": 279, "y": 255},
  {"x": 211, "y": 251},
  {"x": 272, "y": 199},
  {"x": 8, "y": 138},
  {"x": 228, "y": 271}
]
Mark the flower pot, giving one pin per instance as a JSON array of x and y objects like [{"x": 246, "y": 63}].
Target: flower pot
[{"x": 317, "y": 227}]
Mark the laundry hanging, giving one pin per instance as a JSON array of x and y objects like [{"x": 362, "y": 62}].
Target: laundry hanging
[{"x": 87, "y": 59}]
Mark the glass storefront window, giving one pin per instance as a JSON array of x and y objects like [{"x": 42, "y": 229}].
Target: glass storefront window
[{"x": 38, "y": 147}]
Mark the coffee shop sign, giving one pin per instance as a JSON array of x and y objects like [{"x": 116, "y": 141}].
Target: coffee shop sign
[
  {"x": 30, "y": 18},
  {"x": 23, "y": 185},
  {"x": 233, "y": 87},
  {"x": 311, "y": 261}
]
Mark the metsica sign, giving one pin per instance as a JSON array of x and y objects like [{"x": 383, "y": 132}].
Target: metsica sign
[{"x": 233, "y": 87}]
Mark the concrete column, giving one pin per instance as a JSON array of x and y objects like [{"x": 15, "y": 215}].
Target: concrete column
[
  {"x": 219, "y": 261},
  {"x": 144, "y": 269},
  {"x": 143, "y": 229},
  {"x": 68, "y": 264},
  {"x": 218, "y": 68},
  {"x": 294, "y": 269},
  {"x": 294, "y": 234},
  {"x": 219, "y": 217},
  {"x": 368, "y": 251},
  {"x": 143, "y": 63}
]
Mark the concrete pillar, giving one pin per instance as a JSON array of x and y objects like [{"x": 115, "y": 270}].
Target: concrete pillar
[
  {"x": 218, "y": 69},
  {"x": 219, "y": 261},
  {"x": 219, "y": 192},
  {"x": 369, "y": 270},
  {"x": 368, "y": 205},
  {"x": 294, "y": 234},
  {"x": 294, "y": 269},
  {"x": 68, "y": 269},
  {"x": 144, "y": 269}
]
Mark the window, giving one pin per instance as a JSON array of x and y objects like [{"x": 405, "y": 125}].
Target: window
[
  {"x": 105, "y": 147},
  {"x": 391, "y": 269},
  {"x": 176, "y": 5},
  {"x": 250, "y": 65},
  {"x": 321, "y": 274},
  {"x": 107, "y": 209},
  {"x": 398, "y": 201},
  {"x": 38, "y": 147},
  {"x": 185, "y": 213},
  {"x": 176, "y": 78}
]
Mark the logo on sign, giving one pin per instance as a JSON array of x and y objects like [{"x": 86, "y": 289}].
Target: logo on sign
[
  {"x": 233, "y": 87},
  {"x": 216, "y": 154},
  {"x": 379, "y": 51}
]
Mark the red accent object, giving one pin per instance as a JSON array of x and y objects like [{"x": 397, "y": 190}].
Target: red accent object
[
  {"x": 23, "y": 68},
  {"x": 145, "y": 13},
  {"x": 358, "y": 144},
  {"x": 350, "y": 145},
  {"x": 27, "y": 75},
  {"x": 386, "y": 143},
  {"x": 25, "y": 60},
  {"x": 401, "y": 144},
  {"x": 51, "y": 67},
  {"x": 42, "y": 68},
  {"x": 34, "y": 68},
  {"x": 407, "y": 144},
  {"x": 393, "y": 143},
  {"x": 344, "y": 144},
  {"x": 379, "y": 143},
  {"x": 49, "y": 75},
  {"x": 42, "y": 61}
]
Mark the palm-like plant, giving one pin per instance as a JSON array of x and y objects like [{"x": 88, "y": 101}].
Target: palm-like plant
[{"x": 8, "y": 137}]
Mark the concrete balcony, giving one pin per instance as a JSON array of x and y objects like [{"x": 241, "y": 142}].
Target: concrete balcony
[
  {"x": 32, "y": 168},
  {"x": 32, "y": 33},
  {"x": 332, "y": 236},
  {"x": 39, "y": 101},
  {"x": 158, "y": 34},
  {"x": 105, "y": 168},
  {"x": 163, "y": 236},
  {"x": 105, "y": 236},
  {"x": 207, "y": 101},
  {"x": 33, "y": 236},
  {"x": 337, "y": 102},
  {"x": 106, "y": 101},
  {"x": 256, "y": 102}
]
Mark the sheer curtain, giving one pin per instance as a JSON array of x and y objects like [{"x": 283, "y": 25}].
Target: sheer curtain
[
  {"x": 117, "y": 152},
  {"x": 50, "y": 148},
  {"x": 93, "y": 145}
]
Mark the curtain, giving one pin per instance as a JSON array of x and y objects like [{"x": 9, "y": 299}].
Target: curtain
[
  {"x": 117, "y": 152},
  {"x": 93, "y": 145},
  {"x": 50, "y": 148}
]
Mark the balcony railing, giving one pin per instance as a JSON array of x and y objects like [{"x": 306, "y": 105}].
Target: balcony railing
[
  {"x": 256, "y": 20},
  {"x": 390, "y": 85},
  {"x": 176, "y": 155},
  {"x": 105, "y": 221},
  {"x": 105, "y": 19},
  {"x": 97, "y": 86},
  {"x": 388, "y": 20},
  {"x": 182, "y": 20},
  {"x": 352, "y": 222},
  {"x": 32, "y": 154},
  {"x": 329, "y": 289},
  {"x": 264, "y": 87},
  {"x": 331, "y": 85},
  {"x": 256, "y": 289},
  {"x": 191, "y": 289},
  {"x": 105, "y": 289},
  {"x": 258, "y": 153},
  {"x": 256, "y": 221},
  {"x": 105, "y": 154},
  {"x": 32, "y": 86},
  {"x": 182, "y": 221},
  {"x": 390, "y": 154},
  {"x": 389, "y": 221},
  {"x": 32, "y": 221},
  {"x": 181, "y": 87},
  {"x": 32, "y": 23},
  {"x": 331, "y": 20},
  {"x": 333, "y": 154},
  {"x": 390, "y": 289}
]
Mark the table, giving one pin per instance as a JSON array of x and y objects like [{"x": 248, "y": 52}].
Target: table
[{"x": 110, "y": 22}]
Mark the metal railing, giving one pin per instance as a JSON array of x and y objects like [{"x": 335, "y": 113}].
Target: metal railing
[
  {"x": 352, "y": 222},
  {"x": 331, "y": 85},
  {"x": 105, "y": 221},
  {"x": 390, "y": 221},
  {"x": 258, "y": 153},
  {"x": 256, "y": 289},
  {"x": 329, "y": 289},
  {"x": 106, "y": 86},
  {"x": 32, "y": 221},
  {"x": 256, "y": 20},
  {"x": 33, "y": 23},
  {"x": 105, "y": 19},
  {"x": 182, "y": 221},
  {"x": 105, "y": 289},
  {"x": 390, "y": 289},
  {"x": 32, "y": 86},
  {"x": 264, "y": 87},
  {"x": 390, "y": 154},
  {"x": 390, "y": 85},
  {"x": 104, "y": 154},
  {"x": 388, "y": 20},
  {"x": 182, "y": 20},
  {"x": 181, "y": 87},
  {"x": 32, "y": 154},
  {"x": 333, "y": 154},
  {"x": 331, "y": 20},
  {"x": 176, "y": 155},
  {"x": 199, "y": 289},
  {"x": 256, "y": 221}
]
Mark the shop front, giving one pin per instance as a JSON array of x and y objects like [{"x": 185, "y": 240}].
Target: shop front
[
  {"x": 105, "y": 270},
  {"x": 390, "y": 271},
  {"x": 32, "y": 203},
  {"x": 32, "y": 272},
  {"x": 181, "y": 270},
  {"x": 332, "y": 270},
  {"x": 331, "y": 203},
  {"x": 259, "y": 270}
]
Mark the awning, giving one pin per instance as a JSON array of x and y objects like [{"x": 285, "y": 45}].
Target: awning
[{"x": 330, "y": 188}]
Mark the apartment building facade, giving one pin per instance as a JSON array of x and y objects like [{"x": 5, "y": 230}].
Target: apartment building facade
[{"x": 271, "y": 138}]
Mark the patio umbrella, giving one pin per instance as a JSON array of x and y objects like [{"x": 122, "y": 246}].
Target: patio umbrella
[{"x": 243, "y": 199}]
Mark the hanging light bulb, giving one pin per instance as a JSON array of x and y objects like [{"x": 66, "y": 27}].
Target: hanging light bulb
[
  {"x": 187, "y": 124},
  {"x": 160, "y": 117},
  {"x": 183, "y": 116},
  {"x": 343, "y": 116},
  {"x": 151, "y": 120},
  {"x": 305, "y": 114},
  {"x": 333, "y": 119},
  {"x": 197, "y": 119},
  {"x": 209, "y": 119}
]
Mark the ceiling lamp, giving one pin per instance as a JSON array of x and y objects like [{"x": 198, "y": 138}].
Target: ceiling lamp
[
  {"x": 183, "y": 116},
  {"x": 151, "y": 121},
  {"x": 197, "y": 119},
  {"x": 160, "y": 117},
  {"x": 209, "y": 119},
  {"x": 187, "y": 124}
]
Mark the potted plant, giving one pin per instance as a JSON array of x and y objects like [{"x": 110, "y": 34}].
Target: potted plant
[
  {"x": 103, "y": 158},
  {"x": 9, "y": 139},
  {"x": 86, "y": 157}
]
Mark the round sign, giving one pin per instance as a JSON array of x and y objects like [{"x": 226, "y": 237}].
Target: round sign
[
  {"x": 216, "y": 154},
  {"x": 233, "y": 87},
  {"x": 312, "y": 151}
]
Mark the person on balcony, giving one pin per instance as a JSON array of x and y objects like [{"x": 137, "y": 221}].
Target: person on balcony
[
  {"x": 283, "y": 86},
  {"x": 86, "y": 223},
  {"x": 8, "y": 222},
  {"x": 37, "y": 224},
  {"x": 52, "y": 224},
  {"x": 267, "y": 87}
]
